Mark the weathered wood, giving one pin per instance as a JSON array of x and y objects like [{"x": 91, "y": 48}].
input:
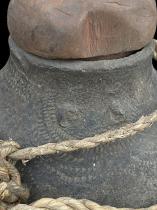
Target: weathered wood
[{"x": 66, "y": 29}]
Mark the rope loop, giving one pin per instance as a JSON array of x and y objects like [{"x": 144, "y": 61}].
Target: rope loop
[{"x": 70, "y": 204}]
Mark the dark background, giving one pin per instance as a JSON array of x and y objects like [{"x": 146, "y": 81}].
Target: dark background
[{"x": 4, "y": 50}]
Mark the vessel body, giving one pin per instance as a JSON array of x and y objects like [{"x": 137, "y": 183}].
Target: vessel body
[{"x": 44, "y": 101}]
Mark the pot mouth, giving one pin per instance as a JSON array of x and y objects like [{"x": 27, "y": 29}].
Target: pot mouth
[{"x": 83, "y": 65}]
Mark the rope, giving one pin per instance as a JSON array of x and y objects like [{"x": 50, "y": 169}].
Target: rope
[
  {"x": 11, "y": 189},
  {"x": 87, "y": 143},
  {"x": 12, "y": 193},
  {"x": 69, "y": 204},
  {"x": 155, "y": 51}
]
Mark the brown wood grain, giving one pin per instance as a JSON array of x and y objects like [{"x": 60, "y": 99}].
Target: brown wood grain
[{"x": 73, "y": 29}]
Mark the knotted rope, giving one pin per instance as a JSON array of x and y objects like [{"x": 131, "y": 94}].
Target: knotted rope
[{"x": 11, "y": 190}]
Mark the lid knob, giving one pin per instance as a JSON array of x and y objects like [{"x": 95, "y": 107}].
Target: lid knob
[{"x": 74, "y": 29}]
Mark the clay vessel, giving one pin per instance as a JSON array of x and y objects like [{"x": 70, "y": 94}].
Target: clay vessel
[
  {"x": 51, "y": 101},
  {"x": 46, "y": 101}
]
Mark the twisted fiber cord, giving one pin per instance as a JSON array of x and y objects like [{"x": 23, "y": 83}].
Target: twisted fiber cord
[
  {"x": 69, "y": 204},
  {"x": 87, "y": 143},
  {"x": 155, "y": 51},
  {"x": 11, "y": 190}
]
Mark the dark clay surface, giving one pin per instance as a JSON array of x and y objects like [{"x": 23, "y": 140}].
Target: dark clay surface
[{"x": 50, "y": 101}]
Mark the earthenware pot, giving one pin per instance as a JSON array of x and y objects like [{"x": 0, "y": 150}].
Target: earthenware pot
[{"x": 52, "y": 100}]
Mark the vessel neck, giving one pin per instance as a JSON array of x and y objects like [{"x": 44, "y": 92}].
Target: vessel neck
[{"x": 97, "y": 95}]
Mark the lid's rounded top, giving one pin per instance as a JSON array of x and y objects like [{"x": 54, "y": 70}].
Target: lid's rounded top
[{"x": 72, "y": 29}]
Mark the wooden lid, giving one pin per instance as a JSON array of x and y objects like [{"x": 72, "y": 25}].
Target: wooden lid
[{"x": 73, "y": 29}]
